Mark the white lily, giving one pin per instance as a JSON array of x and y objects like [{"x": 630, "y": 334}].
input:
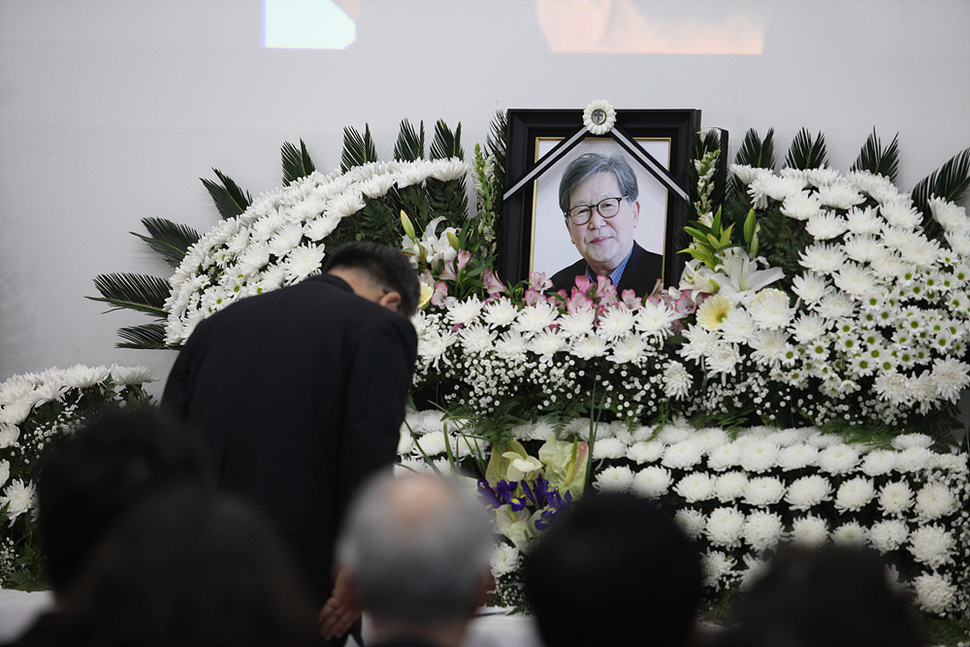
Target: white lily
[{"x": 739, "y": 277}]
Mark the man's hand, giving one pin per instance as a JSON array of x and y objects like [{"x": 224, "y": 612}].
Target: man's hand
[{"x": 341, "y": 610}]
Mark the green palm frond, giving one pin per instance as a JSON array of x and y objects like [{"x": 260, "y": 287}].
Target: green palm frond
[
  {"x": 169, "y": 239},
  {"x": 805, "y": 152},
  {"x": 497, "y": 145},
  {"x": 949, "y": 182},
  {"x": 139, "y": 292},
  {"x": 230, "y": 199},
  {"x": 150, "y": 336},
  {"x": 756, "y": 152},
  {"x": 874, "y": 159},
  {"x": 446, "y": 143},
  {"x": 410, "y": 144},
  {"x": 358, "y": 150},
  {"x": 296, "y": 162}
]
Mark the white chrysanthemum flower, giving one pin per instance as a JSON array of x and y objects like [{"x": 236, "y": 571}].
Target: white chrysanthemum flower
[
  {"x": 615, "y": 323},
  {"x": 838, "y": 459},
  {"x": 764, "y": 491},
  {"x": 617, "y": 479},
  {"x": 797, "y": 456},
  {"x": 476, "y": 338},
  {"x": 879, "y": 462},
  {"x": 19, "y": 498},
  {"x": 547, "y": 343},
  {"x": 676, "y": 432},
  {"x": 895, "y": 498},
  {"x": 724, "y": 527},
  {"x": 449, "y": 169},
  {"x": 655, "y": 319},
  {"x": 770, "y": 309},
  {"x": 755, "y": 569},
  {"x": 465, "y": 311},
  {"x": 863, "y": 221},
  {"x": 950, "y": 376},
  {"x": 801, "y": 206},
  {"x": 302, "y": 262},
  {"x": 699, "y": 342},
  {"x": 405, "y": 441},
  {"x": 500, "y": 312},
  {"x": 724, "y": 456},
  {"x": 809, "y": 531},
  {"x": 888, "y": 535},
  {"x": 822, "y": 176},
  {"x": 901, "y": 213},
  {"x": 609, "y": 448},
  {"x": 864, "y": 248},
  {"x": 914, "y": 459},
  {"x": 629, "y": 350},
  {"x": 826, "y": 225},
  {"x": 811, "y": 287},
  {"x": 710, "y": 437},
  {"x": 905, "y": 441},
  {"x": 758, "y": 454},
  {"x": 723, "y": 359},
  {"x": 432, "y": 443},
  {"x": 851, "y": 533},
  {"x": 682, "y": 455},
  {"x": 854, "y": 494},
  {"x": 651, "y": 482},
  {"x": 132, "y": 375},
  {"x": 599, "y": 117},
  {"x": 808, "y": 327},
  {"x": 931, "y": 545},
  {"x": 823, "y": 258},
  {"x": 730, "y": 486},
  {"x": 82, "y": 377},
  {"x": 950, "y": 216},
  {"x": 840, "y": 195},
  {"x": 505, "y": 559},
  {"x": 935, "y": 593},
  {"x": 588, "y": 347},
  {"x": 748, "y": 174},
  {"x": 892, "y": 387},
  {"x": 534, "y": 318},
  {"x": 855, "y": 279},
  {"x": 935, "y": 500},
  {"x": 765, "y": 187},
  {"x": 920, "y": 251},
  {"x": 762, "y": 530},
  {"x": 738, "y": 328},
  {"x": 717, "y": 566},
  {"x": 714, "y": 311},
  {"x": 692, "y": 522},
  {"x": 646, "y": 451},
  {"x": 576, "y": 324},
  {"x": 4, "y": 472},
  {"x": 808, "y": 491},
  {"x": 697, "y": 486}
]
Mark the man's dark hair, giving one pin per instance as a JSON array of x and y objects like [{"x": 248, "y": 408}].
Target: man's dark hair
[
  {"x": 815, "y": 597},
  {"x": 614, "y": 571},
  {"x": 93, "y": 478},
  {"x": 194, "y": 569},
  {"x": 586, "y": 166},
  {"x": 388, "y": 267}
]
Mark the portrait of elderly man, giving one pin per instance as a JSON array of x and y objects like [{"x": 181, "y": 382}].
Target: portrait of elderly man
[{"x": 598, "y": 197}]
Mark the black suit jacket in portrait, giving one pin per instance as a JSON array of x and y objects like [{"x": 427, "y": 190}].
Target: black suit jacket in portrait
[
  {"x": 640, "y": 275},
  {"x": 299, "y": 394}
]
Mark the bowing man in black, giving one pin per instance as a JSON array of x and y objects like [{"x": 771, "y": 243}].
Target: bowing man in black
[
  {"x": 598, "y": 196},
  {"x": 299, "y": 393}
]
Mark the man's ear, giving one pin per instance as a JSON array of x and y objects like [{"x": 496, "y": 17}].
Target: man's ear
[
  {"x": 390, "y": 300},
  {"x": 636, "y": 212}
]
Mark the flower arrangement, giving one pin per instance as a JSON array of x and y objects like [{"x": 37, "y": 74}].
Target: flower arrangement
[{"x": 36, "y": 409}]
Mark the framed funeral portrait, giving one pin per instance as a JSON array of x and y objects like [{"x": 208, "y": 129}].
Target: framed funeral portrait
[{"x": 652, "y": 145}]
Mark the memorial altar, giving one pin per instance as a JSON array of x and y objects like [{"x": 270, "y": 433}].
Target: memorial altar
[{"x": 796, "y": 377}]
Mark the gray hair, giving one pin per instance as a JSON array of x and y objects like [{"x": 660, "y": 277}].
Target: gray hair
[
  {"x": 586, "y": 166},
  {"x": 417, "y": 547}
]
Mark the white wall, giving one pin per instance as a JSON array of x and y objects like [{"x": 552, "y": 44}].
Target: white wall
[{"x": 110, "y": 110}]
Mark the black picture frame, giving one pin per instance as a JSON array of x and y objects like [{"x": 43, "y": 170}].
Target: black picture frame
[{"x": 524, "y": 168}]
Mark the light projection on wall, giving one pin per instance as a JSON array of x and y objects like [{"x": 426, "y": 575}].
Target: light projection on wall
[
  {"x": 310, "y": 24},
  {"x": 639, "y": 27}
]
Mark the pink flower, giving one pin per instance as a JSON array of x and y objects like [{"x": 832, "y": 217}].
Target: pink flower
[
  {"x": 630, "y": 299},
  {"x": 439, "y": 294},
  {"x": 539, "y": 282},
  {"x": 493, "y": 285},
  {"x": 448, "y": 273},
  {"x": 463, "y": 257}
]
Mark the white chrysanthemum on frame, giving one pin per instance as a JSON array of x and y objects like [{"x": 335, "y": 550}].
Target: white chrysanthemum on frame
[
  {"x": 19, "y": 498},
  {"x": 599, "y": 117},
  {"x": 724, "y": 527},
  {"x": 934, "y": 593},
  {"x": 651, "y": 482},
  {"x": 932, "y": 545}
]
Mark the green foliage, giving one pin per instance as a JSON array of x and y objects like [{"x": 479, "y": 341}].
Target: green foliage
[
  {"x": 150, "y": 336},
  {"x": 756, "y": 152},
  {"x": 446, "y": 143},
  {"x": 805, "y": 152},
  {"x": 230, "y": 199},
  {"x": 874, "y": 159},
  {"x": 358, "y": 150},
  {"x": 410, "y": 143},
  {"x": 170, "y": 240},
  {"x": 950, "y": 182},
  {"x": 782, "y": 239},
  {"x": 296, "y": 162},
  {"x": 140, "y": 292}
]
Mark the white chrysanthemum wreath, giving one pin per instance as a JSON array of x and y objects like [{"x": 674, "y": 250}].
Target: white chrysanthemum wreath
[{"x": 279, "y": 239}]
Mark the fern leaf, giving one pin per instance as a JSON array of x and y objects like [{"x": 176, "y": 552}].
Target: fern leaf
[
  {"x": 230, "y": 199},
  {"x": 150, "y": 336},
  {"x": 950, "y": 182},
  {"x": 296, "y": 163},
  {"x": 169, "y": 239},
  {"x": 757, "y": 153},
  {"x": 410, "y": 144},
  {"x": 874, "y": 159},
  {"x": 446, "y": 143},
  {"x": 358, "y": 150},
  {"x": 139, "y": 292},
  {"x": 806, "y": 153}
]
